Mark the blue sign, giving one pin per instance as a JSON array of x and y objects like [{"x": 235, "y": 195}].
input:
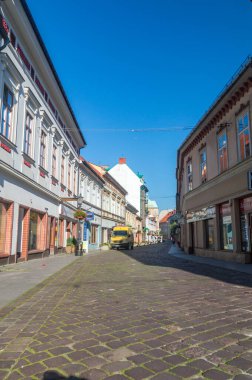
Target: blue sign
[
  {"x": 89, "y": 215},
  {"x": 85, "y": 231}
]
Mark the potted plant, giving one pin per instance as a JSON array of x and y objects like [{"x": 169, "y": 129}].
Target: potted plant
[
  {"x": 80, "y": 214},
  {"x": 71, "y": 245}
]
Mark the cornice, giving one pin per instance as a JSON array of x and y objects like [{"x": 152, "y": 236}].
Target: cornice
[{"x": 27, "y": 180}]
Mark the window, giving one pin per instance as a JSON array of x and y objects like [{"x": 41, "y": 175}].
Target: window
[
  {"x": 35, "y": 231},
  {"x": 7, "y": 113},
  {"x": 54, "y": 161},
  {"x": 222, "y": 152},
  {"x": 43, "y": 149},
  {"x": 226, "y": 227},
  {"x": 209, "y": 225},
  {"x": 74, "y": 184},
  {"x": 189, "y": 175},
  {"x": 62, "y": 169},
  {"x": 69, "y": 177},
  {"x": 28, "y": 135},
  {"x": 243, "y": 137},
  {"x": 203, "y": 165}
]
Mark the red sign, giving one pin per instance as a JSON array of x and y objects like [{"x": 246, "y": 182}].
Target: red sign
[{"x": 42, "y": 174}]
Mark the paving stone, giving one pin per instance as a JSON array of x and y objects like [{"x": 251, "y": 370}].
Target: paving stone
[
  {"x": 201, "y": 364},
  {"x": 93, "y": 374},
  {"x": 138, "y": 373},
  {"x": 241, "y": 363},
  {"x": 116, "y": 377},
  {"x": 32, "y": 369},
  {"x": 157, "y": 365},
  {"x": 156, "y": 353},
  {"x": 117, "y": 366},
  {"x": 216, "y": 375},
  {"x": 139, "y": 359},
  {"x": 175, "y": 359},
  {"x": 94, "y": 362},
  {"x": 56, "y": 362},
  {"x": 78, "y": 355},
  {"x": 165, "y": 376},
  {"x": 185, "y": 371}
]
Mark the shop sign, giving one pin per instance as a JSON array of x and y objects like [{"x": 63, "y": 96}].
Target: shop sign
[
  {"x": 90, "y": 215},
  {"x": 203, "y": 214}
]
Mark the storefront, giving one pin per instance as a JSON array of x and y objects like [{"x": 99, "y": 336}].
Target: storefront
[
  {"x": 6, "y": 220},
  {"x": 245, "y": 223}
]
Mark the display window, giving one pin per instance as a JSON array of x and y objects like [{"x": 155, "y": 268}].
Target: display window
[
  {"x": 226, "y": 227},
  {"x": 210, "y": 240},
  {"x": 245, "y": 222}
]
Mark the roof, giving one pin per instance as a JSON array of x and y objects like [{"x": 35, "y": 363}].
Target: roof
[
  {"x": 104, "y": 174},
  {"x": 167, "y": 217},
  {"x": 43, "y": 47},
  {"x": 86, "y": 164}
]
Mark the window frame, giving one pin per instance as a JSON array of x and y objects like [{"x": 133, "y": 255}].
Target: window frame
[
  {"x": 203, "y": 177},
  {"x": 62, "y": 167},
  {"x": 189, "y": 175},
  {"x": 221, "y": 133},
  {"x": 10, "y": 111},
  {"x": 54, "y": 161},
  {"x": 43, "y": 145},
  {"x": 242, "y": 116},
  {"x": 28, "y": 145}
]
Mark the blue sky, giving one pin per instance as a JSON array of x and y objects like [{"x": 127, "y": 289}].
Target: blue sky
[{"x": 130, "y": 64}]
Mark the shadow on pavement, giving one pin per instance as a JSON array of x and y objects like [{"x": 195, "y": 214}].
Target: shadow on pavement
[
  {"x": 53, "y": 375},
  {"x": 157, "y": 255}
]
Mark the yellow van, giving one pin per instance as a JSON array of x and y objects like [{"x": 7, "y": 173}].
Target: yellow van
[{"x": 122, "y": 237}]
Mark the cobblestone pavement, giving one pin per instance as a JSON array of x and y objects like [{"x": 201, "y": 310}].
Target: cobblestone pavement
[{"x": 138, "y": 314}]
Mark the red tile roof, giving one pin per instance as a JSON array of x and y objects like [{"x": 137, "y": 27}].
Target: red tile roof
[{"x": 167, "y": 216}]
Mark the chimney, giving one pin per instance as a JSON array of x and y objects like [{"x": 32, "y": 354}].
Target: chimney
[{"x": 122, "y": 160}]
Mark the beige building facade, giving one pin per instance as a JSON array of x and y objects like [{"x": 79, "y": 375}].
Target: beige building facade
[{"x": 214, "y": 176}]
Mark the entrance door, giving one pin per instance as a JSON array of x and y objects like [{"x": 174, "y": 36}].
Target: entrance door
[{"x": 191, "y": 248}]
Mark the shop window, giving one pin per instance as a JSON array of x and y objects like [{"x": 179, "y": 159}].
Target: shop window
[
  {"x": 245, "y": 223},
  {"x": 209, "y": 226},
  {"x": 243, "y": 136},
  {"x": 3, "y": 221},
  {"x": 189, "y": 175},
  {"x": 226, "y": 227},
  {"x": 222, "y": 152},
  {"x": 35, "y": 231},
  {"x": 7, "y": 113},
  {"x": 203, "y": 165}
]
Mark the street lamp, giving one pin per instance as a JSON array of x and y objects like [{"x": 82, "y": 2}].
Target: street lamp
[{"x": 79, "y": 251}]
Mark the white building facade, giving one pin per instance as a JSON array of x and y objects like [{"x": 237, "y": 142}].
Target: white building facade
[
  {"x": 38, "y": 153},
  {"x": 113, "y": 203},
  {"x": 91, "y": 187}
]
